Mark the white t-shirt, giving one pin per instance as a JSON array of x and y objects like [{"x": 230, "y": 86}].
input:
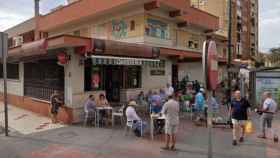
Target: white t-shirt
[
  {"x": 270, "y": 104},
  {"x": 131, "y": 114},
  {"x": 171, "y": 111},
  {"x": 169, "y": 91}
]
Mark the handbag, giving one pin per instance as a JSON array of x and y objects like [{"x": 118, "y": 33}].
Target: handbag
[{"x": 249, "y": 127}]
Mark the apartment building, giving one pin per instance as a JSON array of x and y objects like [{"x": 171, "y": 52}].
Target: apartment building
[
  {"x": 244, "y": 24},
  {"x": 118, "y": 48}
]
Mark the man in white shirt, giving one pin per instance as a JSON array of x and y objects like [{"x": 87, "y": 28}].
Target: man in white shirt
[
  {"x": 268, "y": 110},
  {"x": 131, "y": 114},
  {"x": 171, "y": 111},
  {"x": 133, "y": 119},
  {"x": 169, "y": 90}
]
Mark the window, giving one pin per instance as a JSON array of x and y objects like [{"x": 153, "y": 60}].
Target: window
[
  {"x": 12, "y": 71},
  {"x": 132, "y": 25},
  {"x": 42, "y": 78},
  {"x": 193, "y": 44},
  {"x": 133, "y": 77}
]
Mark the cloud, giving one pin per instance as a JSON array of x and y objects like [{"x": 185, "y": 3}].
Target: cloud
[
  {"x": 13, "y": 12},
  {"x": 269, "y": 24}
]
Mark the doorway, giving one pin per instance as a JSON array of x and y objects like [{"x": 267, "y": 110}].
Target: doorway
[{"x": 113, "y": 82}]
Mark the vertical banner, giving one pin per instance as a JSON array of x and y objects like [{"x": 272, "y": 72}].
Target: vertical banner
[{"x": 204, "y": 63}]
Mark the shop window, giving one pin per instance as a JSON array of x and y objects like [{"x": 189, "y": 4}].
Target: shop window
[
  {"x": 133, "y": 77},
  {"x": 132, "y": 25},
  {"x": 12, "y": 71}
]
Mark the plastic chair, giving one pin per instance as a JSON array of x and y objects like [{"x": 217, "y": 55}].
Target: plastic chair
[
  {"x": 89, "y": 115},
  {"x": 119, "y": 113}
]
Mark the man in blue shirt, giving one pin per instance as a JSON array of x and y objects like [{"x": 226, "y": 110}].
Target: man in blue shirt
[
  {"x": 199, "y": 104},
  {"x": 240, "y": 112}
]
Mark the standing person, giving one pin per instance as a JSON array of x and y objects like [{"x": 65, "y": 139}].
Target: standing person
[
  {"x": 240, "y": 112},
  {"x": 268, "y": 110},
  {"x": 169, "y": 90},
  {"x": 199, "y": 104},
  {"x": 55, "y": 104},
  {"x": 212, "y": 102},
  {"x": 171, "y": 111}
]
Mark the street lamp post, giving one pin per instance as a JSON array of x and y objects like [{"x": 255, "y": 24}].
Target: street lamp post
[
  {"x": 3, "y": 56},
  {"x": 229, "y": 47}
]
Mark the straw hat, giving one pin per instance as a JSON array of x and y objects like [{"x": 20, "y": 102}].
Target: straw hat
[{"x": 132, "y": 103}]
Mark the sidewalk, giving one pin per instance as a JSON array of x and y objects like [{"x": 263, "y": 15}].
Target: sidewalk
[{"x": 26, "y": 122}]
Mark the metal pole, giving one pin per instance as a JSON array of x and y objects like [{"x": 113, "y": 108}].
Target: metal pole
[
  {"x": 209, "y": 125},
  {"x": 229, "y": 47},
  {"x": 4, "y": 52}
]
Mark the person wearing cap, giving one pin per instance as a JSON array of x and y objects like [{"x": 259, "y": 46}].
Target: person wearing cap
[
  {"x": 132, "y": 116},
  {"x": 199, "y": 104}
]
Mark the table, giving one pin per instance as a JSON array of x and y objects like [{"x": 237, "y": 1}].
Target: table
[
  {"x": 154, "y": 117},
  {"x": 98, "y": 109}
]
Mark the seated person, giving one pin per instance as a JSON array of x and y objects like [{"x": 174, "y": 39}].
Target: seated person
[
  {"x": 162, "y": 95},
  {"x": 103, "y": 102},
  {"x": 156, "y": 103},
  {"x": 133, "y": 118},
  {"x": 141, "y": 99},
  {"x": 89, "y": 106}
]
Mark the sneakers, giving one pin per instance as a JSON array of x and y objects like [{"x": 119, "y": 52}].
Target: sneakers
[{"x": 234, "y": 142}]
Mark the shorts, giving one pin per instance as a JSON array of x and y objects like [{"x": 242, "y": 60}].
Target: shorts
[
  {"x": 54, "y": 109},
  {"x": 266, "y": 121},
  {"x": 238, "y": 122},
  {"x": 171, "y": 129}
]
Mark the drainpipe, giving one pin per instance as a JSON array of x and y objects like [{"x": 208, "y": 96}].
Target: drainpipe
[{"x": 36, "y": 18}]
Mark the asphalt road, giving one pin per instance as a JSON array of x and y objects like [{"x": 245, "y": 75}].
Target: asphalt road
[{"x": 79, "y": 142}]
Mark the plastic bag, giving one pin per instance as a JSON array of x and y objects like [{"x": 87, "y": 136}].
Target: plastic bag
[{"x": 249, "y": 127}]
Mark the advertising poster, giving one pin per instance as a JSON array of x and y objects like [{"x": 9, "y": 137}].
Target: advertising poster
[{"x": 267, "y": 84}]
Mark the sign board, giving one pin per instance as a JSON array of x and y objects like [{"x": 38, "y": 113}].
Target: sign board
[
  {"x": 157, "y": 72},
  {"x": 212, "y": 66},
  {"x": 267, "y": 81}
]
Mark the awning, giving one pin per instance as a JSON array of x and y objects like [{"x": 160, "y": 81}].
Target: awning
[{"x": 114, "y": 60}]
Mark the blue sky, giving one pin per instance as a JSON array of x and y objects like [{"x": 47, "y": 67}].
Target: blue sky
[{"x": 13, "y": 12}]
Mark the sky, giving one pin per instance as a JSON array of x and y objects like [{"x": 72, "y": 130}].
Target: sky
[{"x": 13, "y": 12}]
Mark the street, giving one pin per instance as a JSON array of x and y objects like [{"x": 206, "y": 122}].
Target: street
[{"x": 76, "y": 142}]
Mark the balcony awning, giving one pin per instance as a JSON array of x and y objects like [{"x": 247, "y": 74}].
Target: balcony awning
[{"x": 115, "y": 60}]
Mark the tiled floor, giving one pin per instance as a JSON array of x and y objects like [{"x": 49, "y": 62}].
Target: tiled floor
[{"x": 26, "y": 122}]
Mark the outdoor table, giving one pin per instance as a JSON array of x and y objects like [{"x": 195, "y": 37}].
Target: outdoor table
[
  {"x": 98, "y": 109},
  {"x": 154, "y": 117}
]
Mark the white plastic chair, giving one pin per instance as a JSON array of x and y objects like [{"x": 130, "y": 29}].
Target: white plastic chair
[
  {"x": 129, "y": 127},
  {"x": 119, "y": 113}
]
